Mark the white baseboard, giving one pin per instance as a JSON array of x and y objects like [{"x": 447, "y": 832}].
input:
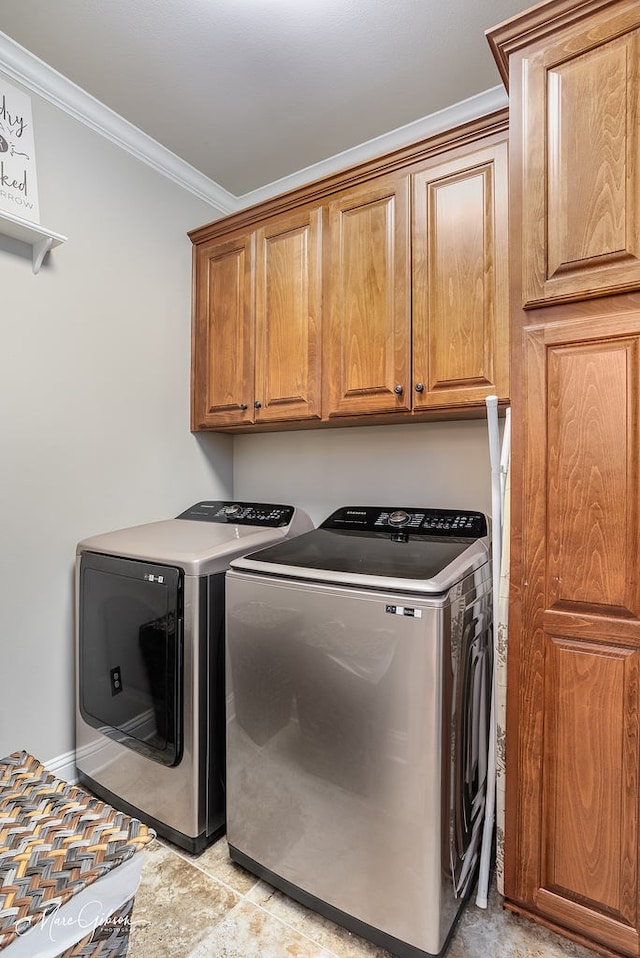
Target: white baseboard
[{"x": 64, "y": 767}]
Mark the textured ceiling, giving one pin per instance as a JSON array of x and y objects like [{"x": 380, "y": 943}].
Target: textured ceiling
[{"x": 250, "y": 91}]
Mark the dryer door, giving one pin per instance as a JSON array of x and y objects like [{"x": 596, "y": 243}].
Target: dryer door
[{"x": 130, "y": 653}]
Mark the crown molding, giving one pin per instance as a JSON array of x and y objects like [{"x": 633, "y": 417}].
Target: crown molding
[
  {"x": 474, "y": 108},
  {"x": 531, "y": 26},
  {"x": 25, "y": 68}
]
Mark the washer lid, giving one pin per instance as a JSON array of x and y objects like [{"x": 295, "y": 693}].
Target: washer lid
[
  {"x": 206, "y": 545},
  {"x": 399, "y": 549}
]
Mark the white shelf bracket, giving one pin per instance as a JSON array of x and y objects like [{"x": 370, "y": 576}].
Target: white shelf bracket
[
  {"x": 40, "y": 240},
  {"x": 40, "y": 250}
]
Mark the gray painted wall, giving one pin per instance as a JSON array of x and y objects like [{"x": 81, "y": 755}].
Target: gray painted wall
[
  {"x": 94, "y": 410},
  {"x": 440, "y": 464}
]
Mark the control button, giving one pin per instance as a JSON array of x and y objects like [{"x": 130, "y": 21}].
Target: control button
[
  {"x": 398, "y": 518},
  {"x": 399, "y": 537},
  {"x": 231, "y": 511}
]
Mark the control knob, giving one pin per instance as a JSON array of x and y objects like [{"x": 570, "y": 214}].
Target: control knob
[
  {"x": 399, "y": 518},
  {"x": 231, "y": 511}
]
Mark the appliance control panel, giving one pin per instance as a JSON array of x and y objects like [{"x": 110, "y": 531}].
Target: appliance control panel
[
  {"x": 414, "y": 521},
  {"x": 240, "y": 513}
]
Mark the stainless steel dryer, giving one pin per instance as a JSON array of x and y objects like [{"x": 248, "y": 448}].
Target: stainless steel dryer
[
  {"x": 358, "y": 690},
  {"x": 150, "y": 661}
]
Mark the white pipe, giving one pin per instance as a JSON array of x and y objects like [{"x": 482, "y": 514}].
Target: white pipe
[
  {"x": 504, "y": 463},
  {"x": 503, "y": 642},
  {"x": 496, "y": 545}
]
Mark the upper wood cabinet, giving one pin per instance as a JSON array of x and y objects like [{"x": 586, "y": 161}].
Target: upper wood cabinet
[
  {"x": 257, "y": 324},
  {"x": 460, "y": 279},
  {"x": 576, "y": 138},
  {"x": 288, "y": 317},
  {"x": 223, "y": 333},
  {"x": 375, "y": 295},
  {"x": 367, "y": 363}
]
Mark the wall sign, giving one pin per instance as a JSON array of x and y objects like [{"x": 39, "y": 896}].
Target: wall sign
[{"x": 18, "y": 180}]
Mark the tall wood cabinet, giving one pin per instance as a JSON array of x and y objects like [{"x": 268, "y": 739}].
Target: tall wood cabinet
[
  {"x": 379, "y": 294},
  {"x": 572, "y": 842}
]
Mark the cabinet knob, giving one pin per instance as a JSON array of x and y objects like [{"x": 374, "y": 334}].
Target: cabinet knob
[
  {"x": 243, "y": 406},
  {"x": 258, "y": 404},
  {"x": 419, "y": 387},
  {"x": 398, "y": 390}
]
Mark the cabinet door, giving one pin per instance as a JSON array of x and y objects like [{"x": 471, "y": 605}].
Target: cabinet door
[
  {"x": 576, "y": 152},
  {"x": 367, "y": 350},
  {"x": 460, "y": 283},
  {"x": 223, "y": 329},
  {"x": 288, "y": 317},
  {"x": 573, "y": 733}
]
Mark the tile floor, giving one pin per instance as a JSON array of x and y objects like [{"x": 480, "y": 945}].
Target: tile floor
[{"x": 208, "y": 907}]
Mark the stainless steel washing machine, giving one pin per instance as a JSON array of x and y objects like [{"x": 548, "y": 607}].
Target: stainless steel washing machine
[
  {"x": 358, "y": 670},
  {"x": 150, "y": 661}
]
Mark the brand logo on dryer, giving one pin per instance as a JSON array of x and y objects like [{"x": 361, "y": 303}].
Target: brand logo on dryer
[
  {"x": 403, "y": 610},
  {"x": 153, "y": 578}
]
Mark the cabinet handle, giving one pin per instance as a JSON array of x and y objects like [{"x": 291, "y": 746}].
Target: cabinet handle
[
  {"x": 398, "y": 390},
  {"x": 419, "y": 387},
  {"x": 258, "y": 404},
  {"x": 243, "y": 406}
]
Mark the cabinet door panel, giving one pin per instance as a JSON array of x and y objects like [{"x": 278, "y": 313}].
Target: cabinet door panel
[
  {"x": 368, "y": 347},
  {"x": 579, "y": 162},
  {"x": 460, "y": 286},
  {"x": 223, "y": 335},
  {"x": 288, "y": 313},
  {"x": 574, "y": 720},
  {"x": 589, "y": 847},
  {"x": 588, "y": 215},
  {"x": 592, "y": 512}
]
